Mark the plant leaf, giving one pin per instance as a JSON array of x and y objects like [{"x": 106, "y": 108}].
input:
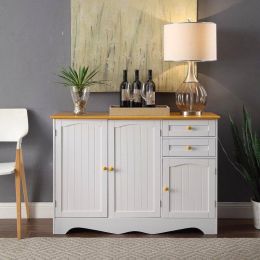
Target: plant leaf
[
  {"x": 247, "y": 153},
  {"x": 80, "y": 79}
]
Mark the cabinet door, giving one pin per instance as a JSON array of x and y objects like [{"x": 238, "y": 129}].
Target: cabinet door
[
  {"x": 134, "y": 152},
  {"x": 81, "y": 183},
  {"x": 189, "y": 188}
]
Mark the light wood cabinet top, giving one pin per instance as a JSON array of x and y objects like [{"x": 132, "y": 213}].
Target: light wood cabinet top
[{"x": 97, "y": 115}]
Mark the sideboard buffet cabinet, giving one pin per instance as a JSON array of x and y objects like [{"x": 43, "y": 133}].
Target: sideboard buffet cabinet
[{"x": 150, "y": 174}]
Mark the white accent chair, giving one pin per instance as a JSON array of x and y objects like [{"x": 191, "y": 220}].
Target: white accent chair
[{"x": 13, "y": 127}]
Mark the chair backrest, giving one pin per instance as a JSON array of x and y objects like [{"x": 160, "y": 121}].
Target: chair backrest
[{"x": 13, "y": 124}]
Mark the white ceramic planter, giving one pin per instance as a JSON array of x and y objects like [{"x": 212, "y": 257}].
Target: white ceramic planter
[{"x": 256, "y": 212}]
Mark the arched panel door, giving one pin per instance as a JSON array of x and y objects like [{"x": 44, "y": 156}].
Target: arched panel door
[
  {"x": 80, "y": 181},
  {"x": 134, "y": 183},
  {"x": 189, "y": 188}
]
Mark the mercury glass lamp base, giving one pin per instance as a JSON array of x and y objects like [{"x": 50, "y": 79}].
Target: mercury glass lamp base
[
  {"x": 191, "y": 96},
  {"x": 191, "y": 113}
]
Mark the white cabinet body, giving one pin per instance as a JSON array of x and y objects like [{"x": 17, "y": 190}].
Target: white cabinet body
[{"x": 119, "y": 176}]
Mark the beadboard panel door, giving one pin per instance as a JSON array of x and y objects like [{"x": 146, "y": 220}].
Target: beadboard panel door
[
  {"x": 81, "y": 183},
  {"x": 134, "y": 152},
  {"x": 191, "y": 187}
]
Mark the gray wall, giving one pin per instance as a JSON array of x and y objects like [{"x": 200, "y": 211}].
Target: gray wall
[
  {"x": 35, "y": 42},
  {"x": 234, "y": 79}
]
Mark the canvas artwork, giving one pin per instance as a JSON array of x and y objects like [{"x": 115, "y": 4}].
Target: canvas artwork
[{"x": 127, "y": 34}]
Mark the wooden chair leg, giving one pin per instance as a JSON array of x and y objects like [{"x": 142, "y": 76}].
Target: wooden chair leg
[
  {"x": 25, "y": 194},
  {"x": 18, "y": 195}
]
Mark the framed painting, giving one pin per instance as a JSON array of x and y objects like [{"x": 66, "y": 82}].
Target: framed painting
[{"x": 127, "y": 34}]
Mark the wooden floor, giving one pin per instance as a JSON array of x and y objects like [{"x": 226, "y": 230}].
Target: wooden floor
[{"x": 43, "y": 228}]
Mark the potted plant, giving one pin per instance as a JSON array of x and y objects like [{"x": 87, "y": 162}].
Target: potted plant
[
  {"x": 247, "y": 160},
  {"x": 79, "y": 82}
]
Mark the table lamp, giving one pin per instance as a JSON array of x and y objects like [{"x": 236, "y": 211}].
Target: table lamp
[{"x": 190, "y": 42}]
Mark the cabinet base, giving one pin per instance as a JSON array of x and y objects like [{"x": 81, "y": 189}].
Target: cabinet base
[{"x": 124, "y": 225}]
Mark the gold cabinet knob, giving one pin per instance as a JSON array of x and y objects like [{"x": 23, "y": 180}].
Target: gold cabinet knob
[
  {"x": 166, "y": 189},
  {"x": 189, "y": 128},
  {"x": 111, "y": 168},
  {"x": 104, "y": 168},
  {"x": 189, "y": 148}
]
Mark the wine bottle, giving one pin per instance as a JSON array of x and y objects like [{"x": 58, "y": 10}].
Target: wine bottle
[
  {"x": 150, "y": 90},
  {"x": 123, "y": 95},
  {"x": 137, "y": 85}
]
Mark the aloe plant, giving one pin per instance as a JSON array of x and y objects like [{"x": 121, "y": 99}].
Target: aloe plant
[
  {"x": 81, "y": 78},
  {"x": 247, "y": 153}
]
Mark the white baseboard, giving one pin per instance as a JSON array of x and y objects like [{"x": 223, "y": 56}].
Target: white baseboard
[
  {"x": 45, "y": 210},
  {"x": 37, "y": 210},
  {"x": 235, "y": 210}
]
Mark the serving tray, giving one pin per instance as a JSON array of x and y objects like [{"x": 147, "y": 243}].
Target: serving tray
[{"x": 139, "y": 111}]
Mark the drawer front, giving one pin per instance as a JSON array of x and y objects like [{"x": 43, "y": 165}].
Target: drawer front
[
  {"x": 189, "y": 147},
  {"x": 189, "y": 128}
]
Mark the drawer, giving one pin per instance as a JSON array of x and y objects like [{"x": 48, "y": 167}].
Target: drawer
[
  {"x": 189, "y": 147},
  {"x": 189, "y": 128}
]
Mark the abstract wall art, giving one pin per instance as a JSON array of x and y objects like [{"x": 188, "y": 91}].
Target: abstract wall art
[{"x": 127, "y": 34}]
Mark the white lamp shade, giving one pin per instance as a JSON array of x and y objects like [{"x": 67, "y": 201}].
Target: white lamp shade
[{"x": 190, "y": 42}]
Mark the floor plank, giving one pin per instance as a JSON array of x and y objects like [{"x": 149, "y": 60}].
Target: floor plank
[{"x": 43, "y": 228}]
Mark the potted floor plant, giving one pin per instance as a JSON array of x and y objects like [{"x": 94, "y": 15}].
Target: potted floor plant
[
  {"x": 79, "y": 81},
  {"x": 247, "y": 160}
]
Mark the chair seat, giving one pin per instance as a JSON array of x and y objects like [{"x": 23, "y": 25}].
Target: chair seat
[{"x": 7, "y": 168}]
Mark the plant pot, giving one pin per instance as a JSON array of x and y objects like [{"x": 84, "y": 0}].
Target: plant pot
[
  {"x": 80, "y": 99},
  {"x": 256, "y": 212}
]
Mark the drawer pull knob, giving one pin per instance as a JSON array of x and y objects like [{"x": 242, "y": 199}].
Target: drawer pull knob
[
  {"x": 189, "y": 128},
  {"x": 104, "y": 168},
  {"x": 189, "y": 148},
  {"x": 166, "y": 189},
  {"x": 111, "y": 168}
]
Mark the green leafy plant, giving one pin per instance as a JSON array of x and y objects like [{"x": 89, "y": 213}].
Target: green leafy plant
[
  {"x": 81, "y": 78},
  {"x": 247, "y": 153}
]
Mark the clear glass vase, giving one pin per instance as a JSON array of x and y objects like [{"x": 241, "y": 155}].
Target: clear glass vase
[{"x": 80, "y": 99}]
